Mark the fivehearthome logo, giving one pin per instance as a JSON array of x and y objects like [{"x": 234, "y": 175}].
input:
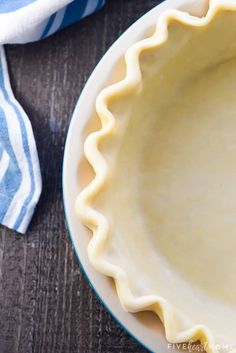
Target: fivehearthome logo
[{"x": 202, "y": 347}]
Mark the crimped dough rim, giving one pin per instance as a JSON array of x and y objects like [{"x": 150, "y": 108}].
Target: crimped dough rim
[{"x": 96, "y": 221}]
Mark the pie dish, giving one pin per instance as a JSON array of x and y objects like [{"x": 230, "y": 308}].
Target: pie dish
[{"x": 162, "y": 204}]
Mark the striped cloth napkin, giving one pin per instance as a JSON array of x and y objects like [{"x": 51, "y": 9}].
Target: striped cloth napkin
[{"x": 24, "y": 21}]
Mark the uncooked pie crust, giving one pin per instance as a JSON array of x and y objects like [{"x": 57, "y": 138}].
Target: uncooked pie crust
[{"x": 162, "y": 207}]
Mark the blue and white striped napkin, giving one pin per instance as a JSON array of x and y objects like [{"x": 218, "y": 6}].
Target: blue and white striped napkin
[{"x": 23, "y": 21}]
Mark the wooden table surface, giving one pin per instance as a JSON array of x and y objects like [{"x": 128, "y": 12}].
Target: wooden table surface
[{"x": 46, "y": 303}]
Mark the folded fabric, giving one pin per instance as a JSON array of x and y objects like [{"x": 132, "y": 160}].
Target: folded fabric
[{"x": 23, "y": 21}]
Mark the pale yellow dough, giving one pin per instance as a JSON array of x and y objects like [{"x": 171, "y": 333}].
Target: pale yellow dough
[{"x": 170, "y": 199}]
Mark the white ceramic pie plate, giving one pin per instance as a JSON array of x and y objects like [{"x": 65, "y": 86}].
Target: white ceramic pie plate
[{"x": 145, "y": 327}]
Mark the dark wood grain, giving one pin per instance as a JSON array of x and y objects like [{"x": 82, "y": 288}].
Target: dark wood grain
[{"x": 46, "y": 303}]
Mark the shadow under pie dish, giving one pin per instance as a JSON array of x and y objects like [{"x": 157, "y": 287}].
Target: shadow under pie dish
[{"x": 162, "y": 207}]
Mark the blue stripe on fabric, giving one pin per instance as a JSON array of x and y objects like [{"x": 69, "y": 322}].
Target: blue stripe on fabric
[
  {"x": 26, "y": 150},
  {"x": 48, "y": 26},
  {"x": 7, "y": 187},
  {"x": 30, "y": 165},
  {"x": 74, "y": 12},
  {"x": 5, "y": 203},
  {"x": 13, "y": 177},
  {"x": 13, "y": 5}
]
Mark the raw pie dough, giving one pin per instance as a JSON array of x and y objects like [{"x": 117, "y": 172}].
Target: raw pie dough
[{"x": 168, "y": 193}]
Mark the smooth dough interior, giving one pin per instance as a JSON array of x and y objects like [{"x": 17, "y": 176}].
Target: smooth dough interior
[{"x": 171, "y": 196}]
